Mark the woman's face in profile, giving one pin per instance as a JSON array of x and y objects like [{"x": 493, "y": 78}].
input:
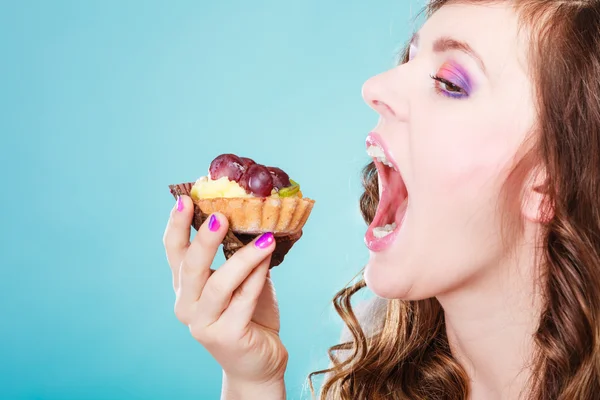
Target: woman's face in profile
[{"x": 452, "y": 121}]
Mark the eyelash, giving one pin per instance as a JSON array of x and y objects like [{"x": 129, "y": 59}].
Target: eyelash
[{"x": 456, "y": 93}]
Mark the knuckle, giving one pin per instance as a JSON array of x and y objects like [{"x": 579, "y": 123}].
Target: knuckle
[
  {"x": 181, "y": 312},
  {"x": 216, "y": 336},
  {"x": 217, "y": 288},
  {"x": 187, "y": 266},
  {"x": 167, "y": 238},
  {"x": 199, "y": 251},
  {"x": 206, "y": 241},
  {"x": 192, "y": 272},
  {"x": 198, "y": 332}
]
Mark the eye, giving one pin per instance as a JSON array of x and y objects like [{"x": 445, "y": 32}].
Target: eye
[{"x": 448, "y": 88}]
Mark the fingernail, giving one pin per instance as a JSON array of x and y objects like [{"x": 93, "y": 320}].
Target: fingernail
[
  {"x": 213, "y": 223},
  {"x": 179, "y": 204},
  {"x": 264, "y": 240}
]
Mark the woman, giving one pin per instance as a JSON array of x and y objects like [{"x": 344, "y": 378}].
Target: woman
[{"x": 490, "y": 130}]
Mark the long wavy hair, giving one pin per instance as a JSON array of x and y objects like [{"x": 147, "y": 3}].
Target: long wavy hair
[{"x": 409, "y": 357}]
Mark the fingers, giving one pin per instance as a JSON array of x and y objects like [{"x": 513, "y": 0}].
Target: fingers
[
  {"x": 195, "y": 267},
  {"x": 243, "y": 302},
  {"x": 176, "y": 238},
  {"x": 266, "y": 311},
  {"x": 219, "y": 289}
]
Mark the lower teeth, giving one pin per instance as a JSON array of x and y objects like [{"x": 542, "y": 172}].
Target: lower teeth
[{"x": 380, "y": 232}]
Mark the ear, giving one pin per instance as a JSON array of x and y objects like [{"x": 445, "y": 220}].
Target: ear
[{"x": 536, "y": 205}]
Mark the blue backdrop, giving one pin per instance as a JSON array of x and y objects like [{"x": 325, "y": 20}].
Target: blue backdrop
[{"x": 105, "y": 103}]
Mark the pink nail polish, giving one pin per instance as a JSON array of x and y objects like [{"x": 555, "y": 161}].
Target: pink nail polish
[
  {"x": 213, "y": 223},
  {"x": 179, "y": 204},
  {"x": 264, "y": 240}
]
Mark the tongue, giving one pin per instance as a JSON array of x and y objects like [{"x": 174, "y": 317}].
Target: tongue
[
  {"x": 392, "y": 196},
  {"x": 388, "y": 213}
]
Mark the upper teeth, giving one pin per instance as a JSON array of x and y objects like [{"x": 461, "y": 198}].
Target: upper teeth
[{"x": 377, "y": 153}]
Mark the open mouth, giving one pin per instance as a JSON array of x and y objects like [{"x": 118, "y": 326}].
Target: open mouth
[{"x": 393, "y": 196}]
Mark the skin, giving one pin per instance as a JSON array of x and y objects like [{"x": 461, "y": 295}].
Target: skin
[
  {"x": 232, "y": 311},
  {"x": 454, "y": 154}
]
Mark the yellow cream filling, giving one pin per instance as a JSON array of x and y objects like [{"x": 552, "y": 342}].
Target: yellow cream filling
[{"x": 206, "y": 188}]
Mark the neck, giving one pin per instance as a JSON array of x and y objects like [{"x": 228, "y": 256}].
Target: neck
[{"x": 491, "y": 324}]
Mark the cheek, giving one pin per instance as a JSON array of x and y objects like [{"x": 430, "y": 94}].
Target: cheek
[
  {"x": 463, "y": 160},
  {"x": 469, "y": 170}
]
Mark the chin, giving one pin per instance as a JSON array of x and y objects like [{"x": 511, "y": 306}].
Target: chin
[
  {"x": 386, "y": 280},
  {"x": 400, "y": 279}
]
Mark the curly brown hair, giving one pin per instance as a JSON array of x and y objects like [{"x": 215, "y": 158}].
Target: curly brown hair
[{"x": 410, "y": 357}]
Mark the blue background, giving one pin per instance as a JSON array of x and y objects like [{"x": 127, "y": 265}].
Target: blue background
[{"x": 105, "y": 103}]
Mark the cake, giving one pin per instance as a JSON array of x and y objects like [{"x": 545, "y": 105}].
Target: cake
[{"x": 255, "y": 199}]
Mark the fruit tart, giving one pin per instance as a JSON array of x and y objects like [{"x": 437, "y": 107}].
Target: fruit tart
[{"x": 255, "y": 199}]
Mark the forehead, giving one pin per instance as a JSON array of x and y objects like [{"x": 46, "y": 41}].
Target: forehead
[{"x": 492, "y": 30}]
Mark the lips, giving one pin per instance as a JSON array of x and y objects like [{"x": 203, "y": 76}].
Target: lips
[{"x": 393, "y": 197}]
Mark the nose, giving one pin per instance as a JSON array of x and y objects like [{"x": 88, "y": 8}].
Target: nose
[{"x": 383, "y": 94}]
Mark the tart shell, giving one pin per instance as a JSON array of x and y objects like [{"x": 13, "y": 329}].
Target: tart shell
[{"x": 249, "y": 217}]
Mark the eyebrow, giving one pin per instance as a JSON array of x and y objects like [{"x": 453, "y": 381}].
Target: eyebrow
[{"x": 446, "y": 43}]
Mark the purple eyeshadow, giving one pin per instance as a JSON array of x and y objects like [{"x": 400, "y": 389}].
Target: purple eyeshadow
[{"x": 456, "y": 75}]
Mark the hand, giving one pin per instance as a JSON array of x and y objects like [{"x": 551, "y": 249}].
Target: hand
[{"x": 231, "y": 311}]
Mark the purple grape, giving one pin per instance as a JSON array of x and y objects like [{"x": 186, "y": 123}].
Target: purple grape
[
  {"x": 228, "y": 165},
  {"x": 247, "y": 162},
  {"x": 280, "y": 178},
  {"x": 257, "y": 180}
]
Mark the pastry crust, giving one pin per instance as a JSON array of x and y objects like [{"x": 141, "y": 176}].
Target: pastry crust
[
  {"x": 253, "y": 215},
  {"x": 249, "y": 217}
]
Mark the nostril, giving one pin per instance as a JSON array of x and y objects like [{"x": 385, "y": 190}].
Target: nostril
[{"x": 382, "y": 108}]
